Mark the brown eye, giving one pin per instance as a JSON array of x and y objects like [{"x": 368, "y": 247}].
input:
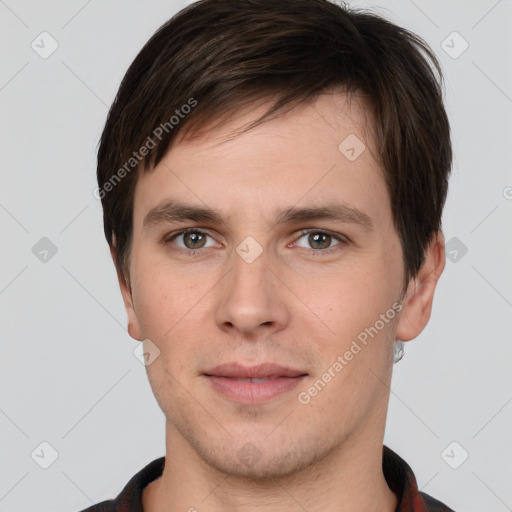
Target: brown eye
[
  {"x": 194, "y": 240},
  {"x": 318, "y": 240}
]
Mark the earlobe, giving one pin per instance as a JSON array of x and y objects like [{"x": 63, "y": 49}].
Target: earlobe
[
  {"x": 417, "y": 302},
  {"x": 133, "y": 323}
]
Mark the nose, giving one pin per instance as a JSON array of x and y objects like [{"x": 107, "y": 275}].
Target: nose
[{"x": 252, "y": 299}]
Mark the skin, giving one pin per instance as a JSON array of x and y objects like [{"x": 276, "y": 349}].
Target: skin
[{"x": 300, "y": 304}]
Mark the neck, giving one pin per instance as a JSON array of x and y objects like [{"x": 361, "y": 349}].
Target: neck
[{"x": 349, "y": 479}]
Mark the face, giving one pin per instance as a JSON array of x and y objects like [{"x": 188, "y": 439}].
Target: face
[{"x": 289, "y": 272}]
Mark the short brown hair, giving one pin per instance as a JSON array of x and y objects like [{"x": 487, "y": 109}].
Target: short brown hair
[{"x": 221, "y": 55}]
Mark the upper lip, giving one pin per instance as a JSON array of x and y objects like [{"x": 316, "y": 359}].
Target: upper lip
[{"x": 260, "y": 371}]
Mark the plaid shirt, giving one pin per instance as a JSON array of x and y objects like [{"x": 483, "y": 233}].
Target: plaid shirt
[{"x": 398, "y": 474}]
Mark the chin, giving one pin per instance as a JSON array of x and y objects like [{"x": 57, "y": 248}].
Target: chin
[{"x": 275, "y": 460}]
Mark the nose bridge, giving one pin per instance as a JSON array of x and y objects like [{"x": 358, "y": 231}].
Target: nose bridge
[
  {"x": 250, "y": 274},
  {"x": 251, "y": 295}
]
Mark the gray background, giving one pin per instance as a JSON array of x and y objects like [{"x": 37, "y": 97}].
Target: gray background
[{"x": 68, "y": 374}]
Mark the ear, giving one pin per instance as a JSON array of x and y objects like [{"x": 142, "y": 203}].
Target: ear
[
  {"x": 417, "y": 302},
  {"x": 134, "y": 329}
]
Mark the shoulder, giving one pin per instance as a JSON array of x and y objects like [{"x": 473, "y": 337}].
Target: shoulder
[
  {"x": 402, "y": 481},
  {"x": 104, "y": 506},
  {"x": 434, "y": 505},
  {"x": 130, "y": 498}
]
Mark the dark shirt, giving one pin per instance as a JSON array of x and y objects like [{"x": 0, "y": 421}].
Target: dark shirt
[{"x": 398, "y": 474}]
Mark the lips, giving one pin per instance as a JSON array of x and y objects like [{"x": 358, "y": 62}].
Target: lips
[
  {"x": 253, "y": 384},
  {"x": 261, "y": 371}
]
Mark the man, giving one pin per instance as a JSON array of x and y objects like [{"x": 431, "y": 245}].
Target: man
[{"x": 273, "y": 176}]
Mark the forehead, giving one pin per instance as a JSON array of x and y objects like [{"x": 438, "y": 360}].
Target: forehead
[
  {"x": 336, "y": 109},
  {"x": 318, "y": 152}
]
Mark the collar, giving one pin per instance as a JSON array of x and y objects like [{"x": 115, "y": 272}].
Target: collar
[{"x": 399, "y": 477}]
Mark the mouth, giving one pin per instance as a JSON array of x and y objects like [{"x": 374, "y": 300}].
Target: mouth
[
  {"x": 253, "y": 380},
  {"x": 253, "y": 384}
]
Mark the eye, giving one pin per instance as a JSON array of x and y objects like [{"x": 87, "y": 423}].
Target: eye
[
  {"x": 319, "y": 240},
  {"x": 191, "y": 239}
]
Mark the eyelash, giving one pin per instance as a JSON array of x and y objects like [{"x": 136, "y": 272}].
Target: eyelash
[{"x": 314, "y": 252}]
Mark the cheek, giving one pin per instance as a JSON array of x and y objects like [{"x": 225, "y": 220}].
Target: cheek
[
  {"x": 156, "y": 307},
  {"x": 354, "y": 300},
  {"x": 356, "y": 361},
  {"x": 160, "y": 294},
  {"x": 169, "y": 310}
]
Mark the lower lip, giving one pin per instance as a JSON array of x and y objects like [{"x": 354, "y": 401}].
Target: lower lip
[{"x": 253, "y": 392}]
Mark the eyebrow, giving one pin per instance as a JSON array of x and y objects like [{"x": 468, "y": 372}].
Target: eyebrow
[
  {"x": 332, "y": 211},
  {"x": 174, "y": 211}
]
